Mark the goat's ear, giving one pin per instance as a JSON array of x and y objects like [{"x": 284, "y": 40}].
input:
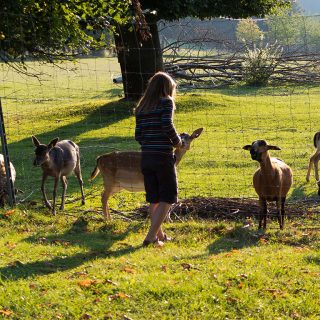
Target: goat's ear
[
  {"x": 35, "y": 141},
  {"x": 52, "y": 143},
  {"x": 196, "y": 133},
  {"x": 247, "y": 147},
  {"x": 273, "y": 147}
]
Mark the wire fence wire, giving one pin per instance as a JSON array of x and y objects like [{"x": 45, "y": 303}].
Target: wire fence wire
[{"x": 241, "y": 80}]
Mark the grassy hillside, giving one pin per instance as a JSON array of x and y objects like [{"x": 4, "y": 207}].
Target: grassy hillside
[{"x": 76, "y": 266}]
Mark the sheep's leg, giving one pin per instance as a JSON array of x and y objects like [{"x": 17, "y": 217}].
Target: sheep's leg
[
  {"x": 64, "y": 183},
  {"x": 263, "y": 213},
  {"x": 283, "y": 200},
  {"x": 279, "y": 212}
]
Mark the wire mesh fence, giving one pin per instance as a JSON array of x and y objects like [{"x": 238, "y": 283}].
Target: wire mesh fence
[{"x": 241, "y": 80}]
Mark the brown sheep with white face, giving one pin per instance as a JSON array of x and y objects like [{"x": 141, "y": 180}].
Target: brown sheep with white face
[{"x": 272, "y": 181}]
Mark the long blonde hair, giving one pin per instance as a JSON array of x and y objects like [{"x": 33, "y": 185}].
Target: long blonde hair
[{"x": 161, "y": 85}]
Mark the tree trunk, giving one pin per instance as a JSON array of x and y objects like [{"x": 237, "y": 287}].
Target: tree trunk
[{"x": 139, "y": 59}]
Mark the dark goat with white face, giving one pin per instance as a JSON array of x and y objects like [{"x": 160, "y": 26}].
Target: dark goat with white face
[
  {"x": 272, "y": 181},
  {"x": 58, "y": 159}
]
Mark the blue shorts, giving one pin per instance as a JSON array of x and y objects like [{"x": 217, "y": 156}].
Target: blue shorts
[{"x": 160, "y": 177}]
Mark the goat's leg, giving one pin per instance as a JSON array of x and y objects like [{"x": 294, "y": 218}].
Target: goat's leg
[
  {"x": 64, "y": 183},
  {"x": 77, "y": 172},
  {"x": 45, "y": 199},
  {"x": 55, "y": 187},
  {"x": 283, "y": 201},
  {"x": 263, "y": 213}
]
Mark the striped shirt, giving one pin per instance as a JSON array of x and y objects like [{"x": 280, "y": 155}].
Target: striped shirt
[{"x": 155, "y": 130}]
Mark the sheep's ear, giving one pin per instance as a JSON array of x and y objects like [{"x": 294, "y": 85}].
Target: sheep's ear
[
  {"x": 273, "y": 147},
  {"x": 247, "y": 147},
  {"x": 196, "y": 133},
  {"x": 52, "y": 143},
  {"x": 35, "y": 141}
]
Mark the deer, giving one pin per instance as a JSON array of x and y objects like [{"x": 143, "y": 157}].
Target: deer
[
  {"x": 58, "y": 159},
  {"x": 3, "y": 180},
  {"x": 314, "y": 160},
  {"x": 121, "y": 170},
  {"x": 272, "y": 181}
]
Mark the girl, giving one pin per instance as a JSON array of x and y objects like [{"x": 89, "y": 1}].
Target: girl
[{"x": 157, "y": 136}]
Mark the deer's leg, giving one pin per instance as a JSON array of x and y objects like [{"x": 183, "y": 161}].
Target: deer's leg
[
  {"x": 313, "y": 159},
  {"x": 263, "y": 213},
  {"x": 77, "y": 172},
  {"x": 45, "y": 199},
  {"x": 283, "y": 200},
  {"x": 55, "y": 187},
  {"x": 316, "y": 169},
  {"x": 105, "y": 207},
  {"x": 64, "y": 183}
]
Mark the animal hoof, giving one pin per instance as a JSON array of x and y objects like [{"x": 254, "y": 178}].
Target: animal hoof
[
  {"x": 83, "y": 202},
  {"x": 61, "y": 208}
]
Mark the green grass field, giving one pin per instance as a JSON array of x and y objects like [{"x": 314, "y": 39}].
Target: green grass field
[{"x": 75, "y": 266}]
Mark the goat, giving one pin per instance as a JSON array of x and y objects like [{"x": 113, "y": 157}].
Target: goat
[
  {"x": 58, "y": 160},
  {"x": 122, "y": 170},
  {"x": 3, "y": 180},
  {"x": 272, "y": 180},
  {"x": 314, "y": 160}
]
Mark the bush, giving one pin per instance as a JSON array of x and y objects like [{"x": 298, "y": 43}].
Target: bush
[{"x": 259, "y": 64}]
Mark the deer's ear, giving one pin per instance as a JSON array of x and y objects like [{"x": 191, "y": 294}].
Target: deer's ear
[
  {"x": 273, "y": 148},
  {"x": 247, "y": 147},
  {"x": 52, "y": 143},
  {"x": 35, "y": 141},
  {"x": 196, "y": 133}
]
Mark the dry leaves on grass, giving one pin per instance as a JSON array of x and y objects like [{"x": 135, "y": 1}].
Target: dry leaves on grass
[
  {"x": 129, "y": 270},
  {"x": 86, "y": 283},
  {"x": 188, "y": 266},
  {"x": 9, "y": 213},
  {"x": 6, "y": 312},
  {"x": 119, "y": 295}
]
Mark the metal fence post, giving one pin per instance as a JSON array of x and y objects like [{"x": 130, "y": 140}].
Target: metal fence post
[{"x": 10, "y": 186}]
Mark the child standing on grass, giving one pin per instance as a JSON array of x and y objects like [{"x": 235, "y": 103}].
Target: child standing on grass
[{"x": 157, "y": 136}]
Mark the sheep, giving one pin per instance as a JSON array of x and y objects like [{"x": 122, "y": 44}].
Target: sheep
[
  {"x": 314, "y": 160},
  {"x": 272, "y": 181},
  {"x": 3, "y": 180}
]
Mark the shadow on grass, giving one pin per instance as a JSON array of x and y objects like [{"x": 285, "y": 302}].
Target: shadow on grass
[
  {"x": 98, "y": 245},
  {"x": 234, "y": 239},
  {"x": 313, "y": 260}
]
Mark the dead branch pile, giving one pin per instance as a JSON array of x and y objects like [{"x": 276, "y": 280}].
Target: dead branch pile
[
  {"x": 226, "y": 70},
  {"x": 232, "y": 208}
]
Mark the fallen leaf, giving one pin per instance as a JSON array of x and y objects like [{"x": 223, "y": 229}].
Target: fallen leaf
[
  {"x": 9, "y": 213},
  {"x": 129, "y": 270},
  {"x": 119, "y": 295},
  {"x": 85, "y": 316},
  {"x": 86, "y": 283},
  {"x": 32, "y": 286},
  {"x": 6, "y": 312},
  {"x": 10, "y": 245},
  {"x": 110, "y": 282}
]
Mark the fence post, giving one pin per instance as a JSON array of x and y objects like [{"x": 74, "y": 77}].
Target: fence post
[{"x": 10, "y": 187}]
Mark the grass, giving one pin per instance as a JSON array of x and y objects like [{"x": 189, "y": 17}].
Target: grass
[{"x": 75, "y": 266}]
